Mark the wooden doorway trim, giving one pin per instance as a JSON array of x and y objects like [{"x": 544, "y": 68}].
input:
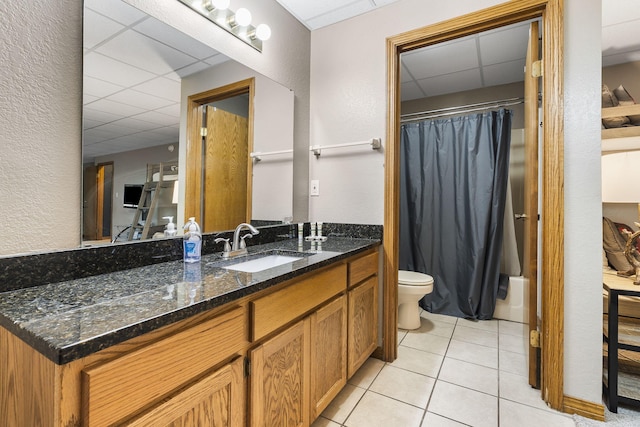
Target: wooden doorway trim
[
  {"x": 193, "y": 175},
  {"x": 552, "y": 261}
]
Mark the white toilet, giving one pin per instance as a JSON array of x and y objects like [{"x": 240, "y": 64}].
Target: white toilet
[{"x": 412, "y": 286}]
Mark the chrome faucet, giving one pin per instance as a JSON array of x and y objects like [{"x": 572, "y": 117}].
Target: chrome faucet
[{"x": 238, "y": 247}]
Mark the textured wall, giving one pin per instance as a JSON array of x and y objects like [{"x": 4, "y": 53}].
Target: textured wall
[
  {"x": 583, "y": 200},
  {"x": 349, "y": 103},
  {"x": 40, "y": 127},
  {"x": 41, "y": 104}
]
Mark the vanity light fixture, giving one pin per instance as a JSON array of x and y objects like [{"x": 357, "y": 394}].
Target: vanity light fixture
[{"x": 237, "y": 23}]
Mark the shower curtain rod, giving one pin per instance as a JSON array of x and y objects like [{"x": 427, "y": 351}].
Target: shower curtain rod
[{"x": 449, "y": 111}]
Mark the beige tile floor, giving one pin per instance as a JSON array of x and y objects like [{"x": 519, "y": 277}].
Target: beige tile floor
[{"x": 450, "y": 372}]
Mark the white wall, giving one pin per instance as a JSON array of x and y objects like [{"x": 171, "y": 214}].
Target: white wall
[
  {"x": 40, "y": 128},
  {"x": 348, "y": 103},
  {"x": 583, "y": 206}
]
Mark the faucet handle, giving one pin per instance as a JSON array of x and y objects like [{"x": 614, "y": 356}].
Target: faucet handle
[
  {"x": 242, "y": 242},
  {"x": 227, "y": 246}
]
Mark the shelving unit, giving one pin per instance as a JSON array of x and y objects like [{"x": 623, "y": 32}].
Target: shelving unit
[
  {"x": 624, "y": 138},
  {"x": 620, "y": 387},
  {"x": 160, "y": 177}
]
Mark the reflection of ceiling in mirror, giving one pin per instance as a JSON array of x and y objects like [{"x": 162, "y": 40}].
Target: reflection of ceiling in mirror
[
  {"x": 133, "y": 65},
  {"x": 486, "y": 59}
]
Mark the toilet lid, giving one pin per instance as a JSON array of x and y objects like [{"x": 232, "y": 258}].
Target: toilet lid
[{"x": 414, "y": 278}]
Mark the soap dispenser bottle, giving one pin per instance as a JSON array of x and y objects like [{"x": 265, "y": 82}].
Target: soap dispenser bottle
[
  {"x": 170, "y": 229},
  {"x": 192, "y": 241}
]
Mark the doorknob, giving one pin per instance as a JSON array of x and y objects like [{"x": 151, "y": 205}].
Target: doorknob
[{"x": 521, "y": 216}]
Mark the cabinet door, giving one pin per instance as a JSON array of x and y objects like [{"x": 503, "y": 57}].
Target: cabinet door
[
  {"x": 328, "y": 354},
  {"x": 363, "y": 323},
  {"x": 279, "y": 379},
  {"x": 216, "y": 400}
]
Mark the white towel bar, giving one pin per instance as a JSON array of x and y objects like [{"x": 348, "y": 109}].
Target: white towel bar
[
  {"x": 376, "y": 144},
  {"x": 258, "y": 155}
]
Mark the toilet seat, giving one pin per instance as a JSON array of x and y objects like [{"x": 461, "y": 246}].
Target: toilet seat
[{"x": 413, "y": 278}]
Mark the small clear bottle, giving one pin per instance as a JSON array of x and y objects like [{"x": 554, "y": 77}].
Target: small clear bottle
[{"x": 192, "y": 241}]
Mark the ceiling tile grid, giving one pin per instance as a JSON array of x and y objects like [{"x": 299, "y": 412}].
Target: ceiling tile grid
[
  {"x": 136, "y": 63},
  {"x": 133, "y": 65}
]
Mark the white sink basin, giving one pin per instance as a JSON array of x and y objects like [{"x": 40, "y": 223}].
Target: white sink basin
[{"x": 260, "y": 264}]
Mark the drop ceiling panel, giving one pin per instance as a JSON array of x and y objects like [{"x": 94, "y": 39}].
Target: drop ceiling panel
[
  {"x": 161, "y": 87},
  {"x": 411, "y": 90},
  {"x": 181, "y": 73},
  {"x": 439, "y": 60},
  {"x": 99, "y": 116},
  {"x": 305, "y": 9},
  {"x": 116, "y": 10},
  {"x": 618, "y": 11},
  {"x": 504, "y": 73},
  {"x": 115, "y": 108},
  {"x": 353, "y": 9},
  {"x": 170, "y": 110},
  {"x": 171, "y": 37},
  {"x": 505, "y": 45},
  {"x": 166, "y": 132},
  {"x": 144, "y": 53},
  {"x": 112, "y": 129},
  {"x": 96, "y": 135},
  {"x": 87, "y": 99},
  {"x": 137, "y": 125},
  {"x": 158, "y": 118},
  {"x": 461, "y": 81},
  {"x": 216, "y": 59},
  {"x": 119, "y": 73},
  {"x": 101, "y": 29},
  {"x": 99, "y": 88},
  {"x": 140, "y": 100}
]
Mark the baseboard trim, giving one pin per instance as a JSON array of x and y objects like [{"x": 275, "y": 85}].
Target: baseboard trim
[{"x": 572, "y": 405}]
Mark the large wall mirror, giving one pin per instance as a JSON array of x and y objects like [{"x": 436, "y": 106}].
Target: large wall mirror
[{"x": 138, "y": 76}]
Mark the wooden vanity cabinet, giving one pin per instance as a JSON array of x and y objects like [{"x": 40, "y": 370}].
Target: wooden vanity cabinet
[
  {"x": 286, "y": 381},
  {"x": 363, "y": 310},
  {"x": 215, "y": 400},
  {"x": 299, "y": 369},
  {"x": 175, "y": 381},
  {"x": 328, "y": 354},
  {"x": 279, "y": 379},
  {"x": 299, "y": 342}
]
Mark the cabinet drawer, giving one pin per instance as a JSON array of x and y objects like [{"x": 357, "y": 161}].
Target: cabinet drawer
[
  {"x": 216, "y": 399},
  {"x": 279, "y": 308},
  {"x": 362, "y": 268},
  {"x": 118, "y": 388}
]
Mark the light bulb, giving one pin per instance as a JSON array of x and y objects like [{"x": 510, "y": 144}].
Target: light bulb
[
  {"x": 243, "y": 17},
  {"x": 263, "y": 32}
]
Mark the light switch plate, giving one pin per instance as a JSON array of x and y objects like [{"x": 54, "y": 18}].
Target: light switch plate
[{"x": 315, "y": 187}]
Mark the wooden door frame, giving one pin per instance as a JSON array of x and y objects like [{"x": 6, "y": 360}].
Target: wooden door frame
[
  {"x": 100, "y": 200},
  {"x": 552, "y": 260},
  {"x": 193, "y": 174}
]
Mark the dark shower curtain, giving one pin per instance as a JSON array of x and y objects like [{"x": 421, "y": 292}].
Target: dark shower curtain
[{"x": 453, "y": 183}]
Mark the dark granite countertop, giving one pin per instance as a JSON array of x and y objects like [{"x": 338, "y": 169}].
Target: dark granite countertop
[{"x": 71, "y": 319}]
